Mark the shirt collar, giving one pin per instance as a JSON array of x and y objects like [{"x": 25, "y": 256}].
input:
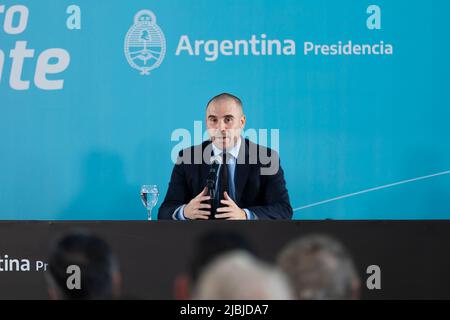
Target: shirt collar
[{"x": 233, "y": 151}]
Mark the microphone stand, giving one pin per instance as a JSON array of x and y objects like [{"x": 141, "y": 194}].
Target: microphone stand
[
  {"x": 212, "y": 193},
  {"x": 211, "y": 185}
]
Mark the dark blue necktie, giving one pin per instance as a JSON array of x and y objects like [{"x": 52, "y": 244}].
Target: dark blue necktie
[{"x": 223, "y": 180}]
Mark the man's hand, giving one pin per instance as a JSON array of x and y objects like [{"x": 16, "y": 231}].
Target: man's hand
[
  {"x": 231, "y": 211},
  {"x": 195, "y": 210}
]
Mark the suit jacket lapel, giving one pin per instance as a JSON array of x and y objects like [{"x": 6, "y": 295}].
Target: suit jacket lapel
[
  {"x": 242, "y": 170},
  {"x": 204, "y": 167}
]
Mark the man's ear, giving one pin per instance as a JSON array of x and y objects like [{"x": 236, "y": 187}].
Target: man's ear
[
  {"x": 117, "y": 285},
  {"x": 355, "y": 289},
  {"x": 243, "y": 121},
  {"x": 52, "y": 293},
  {"x": 52, "y": 290},
  {"x": 182, "y": 287}
]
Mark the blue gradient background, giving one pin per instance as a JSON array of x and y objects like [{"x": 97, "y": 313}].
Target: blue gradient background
[{"x": 346, "y": 123}]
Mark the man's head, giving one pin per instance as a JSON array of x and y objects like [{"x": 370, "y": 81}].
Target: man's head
[
  {"x": 225, "y": 120},
  {"x": 100, "y": 277},
  {"x": 207, "y": 248},
  {"x": 319, "y": 268},
  {"x": 238, "y": 275}
]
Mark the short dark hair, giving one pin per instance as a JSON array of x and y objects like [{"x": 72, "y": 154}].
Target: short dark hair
[
  {"x": 94, "y": 258},
  {"x": 211, "y": 245},
  {"x": 225, "y": 96}
]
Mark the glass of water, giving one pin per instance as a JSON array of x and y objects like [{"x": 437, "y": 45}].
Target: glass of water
[{"x": 149, "y": 197}]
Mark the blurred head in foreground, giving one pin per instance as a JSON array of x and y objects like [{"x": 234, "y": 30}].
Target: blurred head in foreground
[
  {"x": 207, "y": 248},
  {"x": 320, "y": 268},
  {"x": 238, "y": 275},
  {"x": 99, "y": 271}
]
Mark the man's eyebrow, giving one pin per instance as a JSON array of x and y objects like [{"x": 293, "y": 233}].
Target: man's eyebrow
[{"x": 225, "y": 116}]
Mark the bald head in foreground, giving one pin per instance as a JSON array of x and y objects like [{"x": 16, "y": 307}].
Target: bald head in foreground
[{"x": 240, "y": 276}]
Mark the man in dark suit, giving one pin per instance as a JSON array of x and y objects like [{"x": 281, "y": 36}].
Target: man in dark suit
[{"x": 250, "y": 186}]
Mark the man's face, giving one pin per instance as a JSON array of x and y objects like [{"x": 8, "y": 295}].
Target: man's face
[{"x": 224, "y": 121}]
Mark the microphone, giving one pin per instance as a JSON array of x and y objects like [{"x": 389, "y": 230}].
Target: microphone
[
  {"x": 212, "y": 175},
  {"x": 211, "y": 182}
]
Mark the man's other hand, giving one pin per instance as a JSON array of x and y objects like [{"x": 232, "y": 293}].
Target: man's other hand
[{"x": 196, "y": 210}]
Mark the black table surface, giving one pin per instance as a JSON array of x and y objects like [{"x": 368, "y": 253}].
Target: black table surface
[{"x": 413, "y": 255}]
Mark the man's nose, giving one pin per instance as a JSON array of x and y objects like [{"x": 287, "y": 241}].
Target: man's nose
[{"x": 222, "y": 126}]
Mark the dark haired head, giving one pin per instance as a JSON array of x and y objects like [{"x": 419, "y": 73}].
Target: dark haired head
[{"x": 99, "y": 269}]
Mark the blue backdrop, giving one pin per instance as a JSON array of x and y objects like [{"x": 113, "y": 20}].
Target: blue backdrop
[{"x": 373, "y": 129}]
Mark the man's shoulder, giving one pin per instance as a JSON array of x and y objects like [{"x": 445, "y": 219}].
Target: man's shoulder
[
  {"x": 196, "y": 154},
  {"x": 250, "y": 149},
  {"x": 265, "y": 158},
  {"x": 260, "y": 149},
  {"x": 195, "y": 148}
]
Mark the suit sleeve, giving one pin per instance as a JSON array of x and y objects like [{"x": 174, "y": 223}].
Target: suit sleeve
[
  {"x": 177, "y": 193},
  {"x": 276, "y": 198}
]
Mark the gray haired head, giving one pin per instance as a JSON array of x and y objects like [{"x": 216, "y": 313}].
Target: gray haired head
[{"x": 320, "y": 268}]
